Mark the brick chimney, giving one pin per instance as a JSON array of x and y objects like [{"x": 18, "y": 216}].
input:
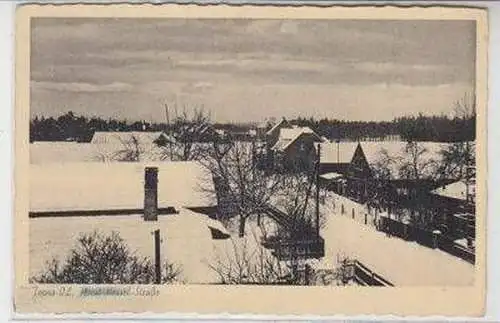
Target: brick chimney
[{"x": 151, "y": 194}]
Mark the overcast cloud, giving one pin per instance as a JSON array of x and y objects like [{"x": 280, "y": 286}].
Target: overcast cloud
[{"x": 248, "y": 70}]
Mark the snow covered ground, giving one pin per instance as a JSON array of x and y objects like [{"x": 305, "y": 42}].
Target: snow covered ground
[{"x": 401, "y": 262}]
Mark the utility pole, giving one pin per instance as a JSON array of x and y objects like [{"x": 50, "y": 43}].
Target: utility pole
[
  {"x": 169, "y": 132},
  {"x": 157, "y": 257},
  {"x": 318, "y": 157}
]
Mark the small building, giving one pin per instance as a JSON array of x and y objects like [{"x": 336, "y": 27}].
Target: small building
[
  {"x": 345, "y": 169},
  {"x": 295, "y": 148},
  {"x": 456, "y": 204}
]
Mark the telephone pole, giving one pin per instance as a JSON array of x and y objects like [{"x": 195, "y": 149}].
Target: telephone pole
[
  {"x": 169, "y": 132},
  {"x": 157, "y": 257},
  {"x": 318, "y": 157}
]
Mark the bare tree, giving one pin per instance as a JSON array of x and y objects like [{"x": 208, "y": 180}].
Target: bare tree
[
  {"x": 457, "y": 157},
  {"x": 383, "y": 166},
  {"x": 245, "y": 261},
  {"x": 415, "y": 164},
  {"x": 188, "y": 135},
  {"x": 247, "y": 188},
  {"x": 296, "y": 199},
  {"x": 132, "y": 150},
  {"x": 104, "y": 259}
]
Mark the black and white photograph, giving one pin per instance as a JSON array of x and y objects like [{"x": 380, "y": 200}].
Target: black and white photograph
[{"x": 332, "y": 153}]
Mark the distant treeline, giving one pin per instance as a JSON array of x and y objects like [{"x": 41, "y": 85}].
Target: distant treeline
[
  {"x": 71, "y": 127},
  {"x": 409, "y": 128}
]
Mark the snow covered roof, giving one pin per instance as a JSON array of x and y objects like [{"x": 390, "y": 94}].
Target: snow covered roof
[
  {"x": 288, "y": 136},
  {"x": 63, "y": 152},
  {"x": 396, "y": 149},
  {"x": 431, "y": 154},
  {"x": 337, "y": 153},
  {"x": 277, "y": 125},
  {"x": 116, "y": 186},
  {"x": 330, "y": 176},
  {"x": 142, "y": 137},
  {"x": 456, "y": 190},
  {"x": 186, "y": 239}
]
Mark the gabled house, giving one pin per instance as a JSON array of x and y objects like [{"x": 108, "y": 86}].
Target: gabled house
[
  {"x": 345, "y": 168},
  {"x": 295, "y": 148}
]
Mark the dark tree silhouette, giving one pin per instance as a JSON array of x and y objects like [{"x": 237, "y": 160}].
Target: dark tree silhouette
[{"x": 104, "y": 259}]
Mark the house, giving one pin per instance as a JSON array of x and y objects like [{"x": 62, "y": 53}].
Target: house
[
  {"x": 455, "y": 202},
  {"x": 345, "y": 168},
  {"x": 295, "y": 148},
  {"x": 366, "y": 166}
]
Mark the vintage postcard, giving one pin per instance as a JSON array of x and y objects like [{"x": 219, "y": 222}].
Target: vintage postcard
[{"x": 264, "y": 160}]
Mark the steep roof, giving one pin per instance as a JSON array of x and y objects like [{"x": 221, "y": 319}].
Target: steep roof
[
  {"x": 289, "y": 135},
  {"x": 277, "y": 125},
  {"x": 116, "y": 185}
]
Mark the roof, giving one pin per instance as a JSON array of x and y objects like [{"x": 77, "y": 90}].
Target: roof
[
  {"x": 343, "y": 152},
  {"x": 143, "y": 137},
  {"x": 456, "y": 190},
  {"x": 289, "y": 135},
  {"x": 374, "y": 152},
  {"x": 277, "y": 125},
  {"x": 62, "y": 152},
  {"x": 331, "y": 176},
  {"x": 186, "y": 239},
  {"x": 117, "y": 185},
  {"x": 337, "y": 152}
]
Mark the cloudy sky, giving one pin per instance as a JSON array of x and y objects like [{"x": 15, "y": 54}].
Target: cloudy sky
[{"x": 249, "y": 70}]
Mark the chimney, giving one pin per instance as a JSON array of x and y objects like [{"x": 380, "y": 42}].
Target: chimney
[{"x": 151, "y": 194}]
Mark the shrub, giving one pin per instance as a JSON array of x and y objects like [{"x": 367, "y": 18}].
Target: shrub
[{"x": 104, "y": 259}]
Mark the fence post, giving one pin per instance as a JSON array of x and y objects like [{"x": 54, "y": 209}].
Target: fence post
[
  {"x": 353, "y": 213},
  {"x": 366, "y": 218},
  {"x": 405, "y": 231},
  {"x": 342, "y": 210},
  {"x": 435, "y": 238}
]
